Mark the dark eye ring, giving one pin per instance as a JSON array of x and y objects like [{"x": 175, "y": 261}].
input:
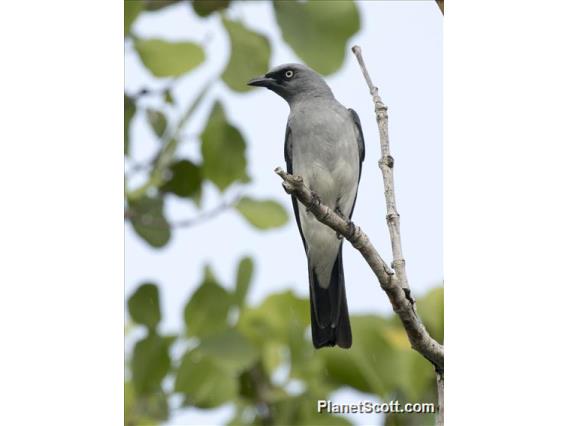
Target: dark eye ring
[{"x": 289, "y": 74}]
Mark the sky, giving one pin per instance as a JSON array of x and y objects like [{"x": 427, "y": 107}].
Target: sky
[{"x": 402, "y": 46}]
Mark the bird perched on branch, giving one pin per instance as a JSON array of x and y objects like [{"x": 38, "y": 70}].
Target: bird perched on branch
[{"x": 324, "y": 144}]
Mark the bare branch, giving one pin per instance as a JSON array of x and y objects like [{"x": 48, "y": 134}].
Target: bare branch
[
  {"x": 440, "y": 386},
  {"x": 419, "y": 338},
  {"x": 441, "y": 5},
  {"x": 386, "y": 164}
]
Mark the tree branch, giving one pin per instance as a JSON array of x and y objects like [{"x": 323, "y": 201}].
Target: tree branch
[
  {"x": 205, "y": 216},
  {"x": 187, "y": 223},
  {"x": 386, "y": 165},
  {"x": 419, "y": 338},
  {"x": 440, "y": 387},
  {"x": 441, "y": 5}
]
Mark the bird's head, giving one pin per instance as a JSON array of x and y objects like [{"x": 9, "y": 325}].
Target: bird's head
[{"x": 293, "y": 82}]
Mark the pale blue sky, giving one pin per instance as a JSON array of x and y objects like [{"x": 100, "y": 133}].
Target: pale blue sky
[{"x": 402, "y": 45}]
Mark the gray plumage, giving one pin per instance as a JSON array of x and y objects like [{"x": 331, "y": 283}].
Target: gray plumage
[{"x": 324, "y": 144}]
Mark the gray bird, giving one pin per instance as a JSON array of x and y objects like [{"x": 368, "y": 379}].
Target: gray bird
[{"x": 324, "y": 144}]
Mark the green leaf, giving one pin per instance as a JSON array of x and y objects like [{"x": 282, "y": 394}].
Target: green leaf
[
  {"x": 205, "y": 382},
  {"x": 318, "y": 31},
  {"x": 185, "y": 179},
  {"x": 302, "y": 410},
  {"x": 147, "y": 217},
  {"x": 150, "y": 363},
  {"x": 244, "y": 276},
  {"x": 231, "y": 349},
  {"x": 280, "y": 316},
  {"x": 372, "y": 365},
  {"x": 431, "y": 311},
  {"x": 272, "y": 356},
  {"x": 147, "y": 410},
  {"x": 169, "y": 59},
  {"x": 153, "y": 5},
  {"x": 416, "y": 378},
  {"x": 207, "y": 7},
  {"x": 250, "y": 56},
  {"x": 262, "y": 214},
  {"x": 144, "y": 305},
  {"x": 131, "y": 11},
  {"x": 157, "y": 120},
  {"x": 206, "y": 312},
  {"x": 223, "y": 150},
  {"x": 168, "y": 97},
  {"x": 310, "y": 416},
  {"x": 129, "y": 111}
]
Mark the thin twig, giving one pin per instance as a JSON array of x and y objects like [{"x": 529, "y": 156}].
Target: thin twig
[
  {"x": 170, "y": 141},
  {"x": 185, "y": 223},
  {"x": 419, "y": 338},
  {"x": 386, "y": 164},
  {"x": 138, "y": 167},
  {"x": 205, "y": 216},
  {"x": 441, "y": 5}
]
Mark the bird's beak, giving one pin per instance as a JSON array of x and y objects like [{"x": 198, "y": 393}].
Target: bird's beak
[{"x": 261, "y": 81}]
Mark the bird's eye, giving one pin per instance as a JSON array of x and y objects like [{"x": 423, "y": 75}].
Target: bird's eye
[{"x": 289, "y": 74}]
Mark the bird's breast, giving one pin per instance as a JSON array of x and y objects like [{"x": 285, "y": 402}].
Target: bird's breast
[{"x": 325, "y": 153}]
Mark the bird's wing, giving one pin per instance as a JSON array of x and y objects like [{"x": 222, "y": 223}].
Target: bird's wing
[
  {"x": 290, "y": 169},
  {"x": 360, "y": 139},
  {"x": 361, "y": 145}
]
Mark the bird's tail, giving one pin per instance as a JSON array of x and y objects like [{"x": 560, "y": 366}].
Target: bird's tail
[{"x": 329, "y": 314}]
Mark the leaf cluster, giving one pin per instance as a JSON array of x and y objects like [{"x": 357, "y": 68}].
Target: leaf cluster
[
  {"x": 260, "y": 359},
  {"x": 317, "y": 32}
]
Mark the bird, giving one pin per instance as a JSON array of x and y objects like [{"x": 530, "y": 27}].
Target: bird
[{"x": 324, "y": 145}]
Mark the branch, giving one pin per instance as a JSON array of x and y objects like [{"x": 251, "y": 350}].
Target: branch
[
  {"x": 440, "y": 386},
  {"x": 205, "y": 216},
  {"x": 187, "y": 223},
  {"x": 386, "y": 164},
  {"x": 419, "y": 338},
  {"x": 170, "y": 142},
  {"x": 441, "y": 5}
]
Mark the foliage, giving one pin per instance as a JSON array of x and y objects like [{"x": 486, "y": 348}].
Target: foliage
[
  {"x": 317, "y": 31},
  {"x": 239, "y": 359},
  {"x": 230, "y": 351},
  {"x": 169, "y": 59},
  {"x": 242, "y": 65}
]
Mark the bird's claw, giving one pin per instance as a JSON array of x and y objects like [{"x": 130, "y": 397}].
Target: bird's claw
[
  {"x": 350, "y": 225},
  {"x": 315, "y": 202},
  {"x": 340, "y": 214},
  {"x": 351, "y": 229}
]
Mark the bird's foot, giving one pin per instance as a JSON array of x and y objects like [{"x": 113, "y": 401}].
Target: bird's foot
[
  {"x": 351, "y": 229},
  {"x": 350, "y": 225},
  {"x": 314, "y": 203},
  {"x": 342, "y": 216}
]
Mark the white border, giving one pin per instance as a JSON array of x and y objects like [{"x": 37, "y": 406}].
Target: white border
[
  {"x": 62, "y": 201},
  {"x": 505, "y": 215}
]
